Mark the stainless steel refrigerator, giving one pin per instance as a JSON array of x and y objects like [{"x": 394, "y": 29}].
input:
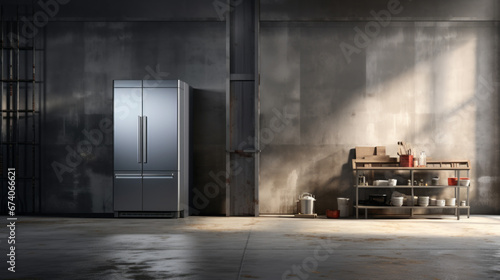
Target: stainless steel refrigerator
[{"x": 151, "y": 148}]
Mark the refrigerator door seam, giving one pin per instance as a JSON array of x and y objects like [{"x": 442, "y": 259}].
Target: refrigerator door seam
[{"x": 145, "y": 139}]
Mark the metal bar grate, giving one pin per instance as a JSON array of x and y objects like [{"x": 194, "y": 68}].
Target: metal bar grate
[{"x": 20, "y": 108}]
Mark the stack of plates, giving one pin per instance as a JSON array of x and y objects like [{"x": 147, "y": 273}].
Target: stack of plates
[{"x": 423, "y": 201}]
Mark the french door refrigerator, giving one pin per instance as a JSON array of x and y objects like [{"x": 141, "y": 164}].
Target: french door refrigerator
[{"x": 151, "y": 148}]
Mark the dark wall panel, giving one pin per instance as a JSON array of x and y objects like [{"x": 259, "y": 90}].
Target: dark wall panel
[
  {"x": 82, "y": 60},
  {"x": 128, "y": 10}
]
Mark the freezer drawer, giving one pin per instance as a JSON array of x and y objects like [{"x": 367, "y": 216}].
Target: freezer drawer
[
  {"x": 161, "y": 193},
  {"x": 127, "y": 193}
]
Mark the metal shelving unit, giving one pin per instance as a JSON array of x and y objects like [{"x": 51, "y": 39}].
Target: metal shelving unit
[
  {"x": 20, "y": 109},
  {"x": 454, "y": 166}
]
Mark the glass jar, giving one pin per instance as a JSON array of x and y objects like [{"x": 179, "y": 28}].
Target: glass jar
[{"x": 422, "y": 159}]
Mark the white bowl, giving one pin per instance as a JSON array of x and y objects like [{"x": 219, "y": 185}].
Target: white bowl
[
  {"x": 380, "y": 183},
  {"x": 451, "y": 201},
  {"x": 464, "y": 183},
  {"x": 440, "y": 202}
]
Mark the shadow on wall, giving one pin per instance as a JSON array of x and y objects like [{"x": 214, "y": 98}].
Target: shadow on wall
[
  {"x": 321, "y": 186},
  {"x": 207, "y": 192},
  {"x": 328, "y": 196}
]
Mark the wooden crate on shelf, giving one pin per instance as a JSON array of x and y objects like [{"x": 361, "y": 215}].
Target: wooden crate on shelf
[
  {"x": 374, "y": 162},
  {"x": 362, "y": 152},
  {"x": 372, "y": 156}
]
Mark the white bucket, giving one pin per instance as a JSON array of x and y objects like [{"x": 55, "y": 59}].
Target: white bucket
[{"x": 343, "y": 204}]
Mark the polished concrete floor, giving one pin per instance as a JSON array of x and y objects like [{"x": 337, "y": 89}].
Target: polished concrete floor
[{"x": 254, "y": 248}]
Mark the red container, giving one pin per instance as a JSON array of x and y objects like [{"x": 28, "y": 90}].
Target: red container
[
  {"x": 406, "y": 160},
  {"x": 332, "y": 214},
  {"x": 453, "y": 181}
]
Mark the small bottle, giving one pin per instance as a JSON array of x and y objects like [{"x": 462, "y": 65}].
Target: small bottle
[
  {"x": 422, "y": 159},
  {"x": 421, "y": 182},
  {"x": 409, "y": 182}
]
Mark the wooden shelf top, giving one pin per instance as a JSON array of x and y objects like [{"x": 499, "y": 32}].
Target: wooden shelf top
[
  {"x": 408, "y": 187},
  {"x": 363, "y": 164},
  {"x": 409, "y": 207},
  {"x": 410, "y": 168}
]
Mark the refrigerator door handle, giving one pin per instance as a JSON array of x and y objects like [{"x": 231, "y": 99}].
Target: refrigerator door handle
[
  {"x": 145, "y": 139},
  {"x": 139, "y": 139}
]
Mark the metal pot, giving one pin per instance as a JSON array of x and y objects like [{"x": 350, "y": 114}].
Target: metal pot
[{"x": 306, "y": 203}]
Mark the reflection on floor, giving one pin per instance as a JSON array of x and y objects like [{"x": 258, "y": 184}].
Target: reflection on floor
[{"x": 254, "y": 248}]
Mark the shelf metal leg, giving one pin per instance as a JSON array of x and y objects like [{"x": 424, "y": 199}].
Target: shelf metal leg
[
  {"x": 412, "y": 203},
  {"x": 357, "y": 193},
  {"x": 468, "y": 190},
  {"x": 357, "y": 204},
  {"x": 458, "y": 196}
]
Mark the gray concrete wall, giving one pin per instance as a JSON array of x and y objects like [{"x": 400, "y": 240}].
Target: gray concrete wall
[
  {"x": 419, "y": 78},
  {"x": 81, "y": 61}
]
